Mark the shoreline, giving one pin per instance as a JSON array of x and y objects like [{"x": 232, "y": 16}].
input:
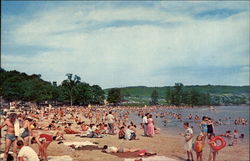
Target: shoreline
[{"x": 164, "y": 144}]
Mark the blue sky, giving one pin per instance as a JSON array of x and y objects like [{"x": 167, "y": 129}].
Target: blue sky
[{"x": 117, "y": 44}]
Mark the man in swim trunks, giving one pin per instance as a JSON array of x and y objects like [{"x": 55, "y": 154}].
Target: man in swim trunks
[{"x": 10, "y": 135}]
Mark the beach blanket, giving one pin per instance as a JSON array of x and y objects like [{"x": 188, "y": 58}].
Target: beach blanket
[
  {"x": 152, "y": 158},
  {"x": 78, "y": 144},
  {"x": 60, "y": 158},
  {"x": 68, "y": 131},
  {"x": 131, "y": 154}
]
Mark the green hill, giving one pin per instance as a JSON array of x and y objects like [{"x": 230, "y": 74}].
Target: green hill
[
  {"x": 143, "y": 91},
  {"x": 219, "y": 95}
]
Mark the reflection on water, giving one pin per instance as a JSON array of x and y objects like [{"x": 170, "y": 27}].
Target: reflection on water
[{"x": 227, "y": 114}]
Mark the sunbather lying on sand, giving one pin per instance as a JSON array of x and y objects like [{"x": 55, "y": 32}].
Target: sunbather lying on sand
[{"x": 112, "y": 149}]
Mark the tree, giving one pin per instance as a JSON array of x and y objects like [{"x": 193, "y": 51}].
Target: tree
[
  {"x": 98, "y": 95},
  {"x": 177, "y": 94},
  {"x": 12, "y": 88},
  {"x": 168, "y": 96},
  {"x": 194, "y": 97},
  {"x": 154, "y": 98},
  {"x": 185, "y": 99},
  {"x": 83, "y": 93},
  {"x": 114, "y": 96},
  {"x": 70, "y": 85}
]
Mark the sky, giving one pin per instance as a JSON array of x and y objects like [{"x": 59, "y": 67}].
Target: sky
[{"x": 119, "y": 44}]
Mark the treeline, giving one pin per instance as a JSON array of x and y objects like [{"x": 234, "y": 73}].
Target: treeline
[
  {"x": 143, "y": 91},
  {"x": 22, "y": 87},
  {"x": 174, "y": 96},
  {"x": 187, "y": 95},
  {"x": 177, "y": 96}
]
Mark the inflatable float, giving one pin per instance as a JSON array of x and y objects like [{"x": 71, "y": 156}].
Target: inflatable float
[{"x": 216, "y": 147}]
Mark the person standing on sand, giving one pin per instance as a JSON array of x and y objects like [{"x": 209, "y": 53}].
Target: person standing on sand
[
  {"x": 110, "y": 119},
  {"x": 212, "y": 153},
  {"x": 145, "y": 123},
  {"x": 203, "y": 127},
  {"x": 27, "y": 131},
  {"x": 210, "y": 127},
  {"x": 150, "y": 126},
  {"x": 188, "y": 135},
  {"x": 10, "y": 135}
]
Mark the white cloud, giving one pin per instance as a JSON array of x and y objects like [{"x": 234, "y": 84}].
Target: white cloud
[{"x": 128, "y": 55}]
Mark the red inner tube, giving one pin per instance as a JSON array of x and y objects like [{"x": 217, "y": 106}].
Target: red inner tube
[{"x": 220, "y": 146}]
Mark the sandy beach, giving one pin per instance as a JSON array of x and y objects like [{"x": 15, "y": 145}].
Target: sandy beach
[{"x": 163, "y": 145}]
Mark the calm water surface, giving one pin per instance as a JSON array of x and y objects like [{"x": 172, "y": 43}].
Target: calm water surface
[{"x": 173, "y": 126}]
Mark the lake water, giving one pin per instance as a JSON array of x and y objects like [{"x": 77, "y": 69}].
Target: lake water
[{"x": 173, "y": 126}]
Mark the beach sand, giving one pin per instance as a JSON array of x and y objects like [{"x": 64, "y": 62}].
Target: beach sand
[{"x": 163, "y": 145}]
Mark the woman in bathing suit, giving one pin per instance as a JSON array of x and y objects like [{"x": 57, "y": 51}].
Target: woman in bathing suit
[
  {"x": 27, "y": 131},
  {"x": 210, "y": 127},
  {"x": 203, "y": 127},
  {"x": 43, "y": 141}
]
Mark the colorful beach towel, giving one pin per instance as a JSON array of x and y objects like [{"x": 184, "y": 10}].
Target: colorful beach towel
[
  {"x": 132, "y": 154},
  {"x": 78, "y": 144},
  {"x": 152, "y": 158},
  {"x": 60, "y": 158}
]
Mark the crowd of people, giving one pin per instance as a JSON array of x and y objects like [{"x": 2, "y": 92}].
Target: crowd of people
[{"x": 43, "y": 125}]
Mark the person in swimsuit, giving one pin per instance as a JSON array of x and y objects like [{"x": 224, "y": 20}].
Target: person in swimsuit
[
  {"x": 199, "y": 143},
  {"x": 112, "y": 149},
  {"x": 10, "y": 135},
  {"x": 212, "y": 153},
  {"x": 43, "y": 141},
  {"x": 210, "y": 127},
  {"x": 236, "y": 136},
  {"x": 203, "y": 127},
  {"x": 27, "y": 131}
]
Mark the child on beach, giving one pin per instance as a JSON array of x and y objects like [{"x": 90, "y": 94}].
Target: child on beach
[
  {"x": 188, "y": 135},
  {"x": 212, "y": 153},
  {"x": 236, "y": 136},
  {"x": 198, "y": 146},
  {"x": 121, "y": 134}
]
